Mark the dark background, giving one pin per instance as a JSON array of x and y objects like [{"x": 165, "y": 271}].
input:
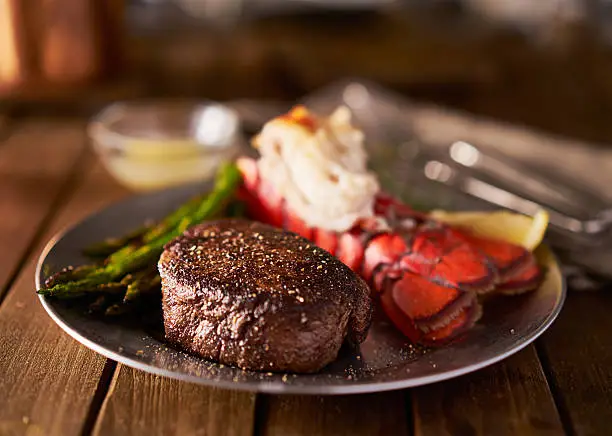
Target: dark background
[{"x": 542, "y": 63}]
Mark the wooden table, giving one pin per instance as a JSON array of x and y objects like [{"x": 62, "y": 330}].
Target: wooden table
[{"x": 52, "y": 385}]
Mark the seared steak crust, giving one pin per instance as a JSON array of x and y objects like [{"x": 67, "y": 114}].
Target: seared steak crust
[{"x": 244, "y": 293}]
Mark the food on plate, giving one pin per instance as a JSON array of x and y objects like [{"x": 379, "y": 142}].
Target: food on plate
[
  {"x": 511, "y": 227},
  {"x": 129, "y": 262},
  {"x": 429, "y": 275},
  {"x": 256, "y": 296},
  {"x": 319, "y": 169},
  {"x": 248, "y": 294}
]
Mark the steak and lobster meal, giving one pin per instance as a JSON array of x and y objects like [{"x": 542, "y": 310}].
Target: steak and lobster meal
[{"x": 284, "y": 260}]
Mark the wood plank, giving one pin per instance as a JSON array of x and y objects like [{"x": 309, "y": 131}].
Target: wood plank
[
  {"x": 578, "y": 352},
  {"x": 505, "y": 399},
  {"x": 4, "y": 126},
  {"x": 47, "y": 379},
  {"x": 36, "y": 161},
  {"x": 371, "y": 414},
  {"x": 140, "y": 403}
]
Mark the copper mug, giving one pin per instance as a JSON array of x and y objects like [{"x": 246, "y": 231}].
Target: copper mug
[{"x": 58, "y": 41}]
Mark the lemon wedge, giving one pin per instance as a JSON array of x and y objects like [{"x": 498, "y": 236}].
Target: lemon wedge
[{"x": 507, "y": 226}]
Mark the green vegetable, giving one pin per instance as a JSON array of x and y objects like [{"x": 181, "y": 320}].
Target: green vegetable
[
  {"x": 103, "y": 249},
  {"x": 129, "y": 259}
]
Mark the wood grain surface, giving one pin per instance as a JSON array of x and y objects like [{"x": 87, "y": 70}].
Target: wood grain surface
[
  {"x": 510, "y": 398},
  {"x": 372, "y": 414},
  {"x": 47, "y": 379},
  {"x": 139, "y": 403},
  {"x": 577, "y": 351},
  {"x": 51, "y": 385},
  {"x": 36, "y": 162},
  {"x": 4, "y": 126}
]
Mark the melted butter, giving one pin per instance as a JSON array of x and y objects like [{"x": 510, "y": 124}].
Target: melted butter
[{"x": 148, "y": 164}]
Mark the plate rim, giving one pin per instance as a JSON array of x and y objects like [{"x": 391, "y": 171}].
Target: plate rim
[{"x": 275, "y": 387}]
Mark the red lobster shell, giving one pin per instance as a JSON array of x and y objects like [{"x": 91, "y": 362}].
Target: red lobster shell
[{"x": 428, "y": 275}]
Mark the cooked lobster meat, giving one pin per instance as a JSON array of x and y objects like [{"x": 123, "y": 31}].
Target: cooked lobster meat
[{"x": 429, "y": 276}]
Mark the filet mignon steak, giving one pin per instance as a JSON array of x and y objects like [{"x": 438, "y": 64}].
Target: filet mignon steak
[{"x": 247, "y": 294}]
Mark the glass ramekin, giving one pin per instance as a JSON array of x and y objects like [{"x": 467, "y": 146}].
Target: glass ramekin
[{"x": 155, "y": 144}]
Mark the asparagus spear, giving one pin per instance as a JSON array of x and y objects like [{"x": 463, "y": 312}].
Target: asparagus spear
[
  {"x": 69, "y": 273},
  {"x": 158, "y": 230},
  {"x": 99, "y": 304},
  {"x": 173, "y": 219},
  {"x": 115, "y": 292},
  {"x": 102, "y": 250},
  {"x": 146, "y": 282},
  {"x": 116, "y": 309},
  {"x": 130, "y": 259},
  {"x": 138, "y": 285},
  {"x": 145, "y": 234},
  {"x": 142, "y": 285}
]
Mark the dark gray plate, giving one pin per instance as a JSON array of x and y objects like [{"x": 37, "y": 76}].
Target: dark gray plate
[{"x": 385, "y": 361}]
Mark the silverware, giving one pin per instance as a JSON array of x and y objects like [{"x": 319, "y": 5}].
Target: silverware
[{"x": 508, "y": 183}]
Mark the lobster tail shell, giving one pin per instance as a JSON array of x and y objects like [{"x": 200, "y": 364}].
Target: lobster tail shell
[
  {"x": 326, "y": 239},
  {"x": 450, "y": 327},
  {"x": 428, "y": 275},
  {"x": 524, "y": 279},
  {"x": 429, "y": 305},
  {"x": 442, "y": 255}
]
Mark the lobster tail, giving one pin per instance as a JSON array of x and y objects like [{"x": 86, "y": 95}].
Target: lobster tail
[
  {"x": 442, "y": 255},
  {"x": 428, "y": 275},
  {"x": 524, "y": 278},
  {"x": 442, "y": 327}
]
